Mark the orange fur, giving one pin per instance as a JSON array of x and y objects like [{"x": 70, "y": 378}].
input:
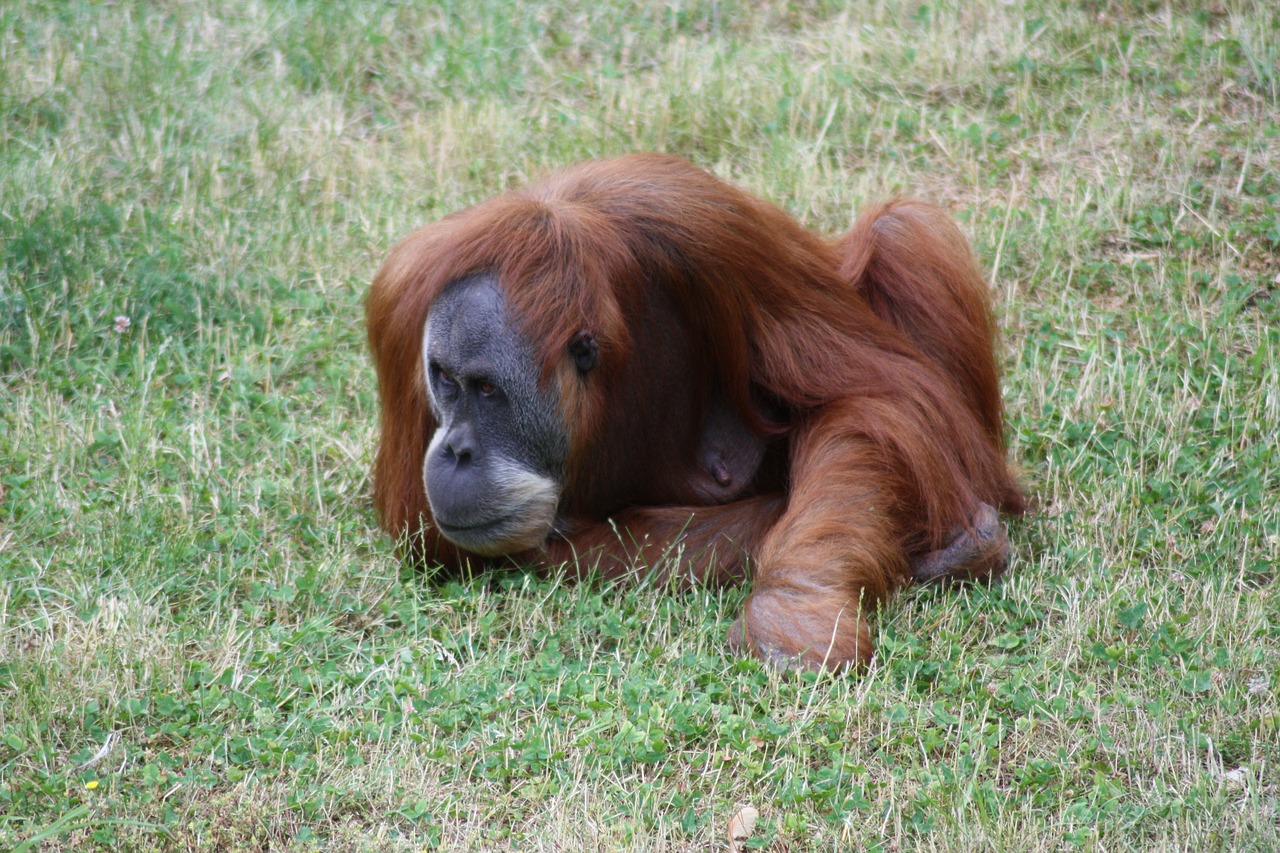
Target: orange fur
[{"x": 874, "y": 353}]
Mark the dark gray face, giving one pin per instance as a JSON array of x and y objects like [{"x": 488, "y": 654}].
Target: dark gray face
[{"x": 494, "y": 467}]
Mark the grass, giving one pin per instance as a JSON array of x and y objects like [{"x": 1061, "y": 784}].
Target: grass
[{"x": 206, "y": 645}]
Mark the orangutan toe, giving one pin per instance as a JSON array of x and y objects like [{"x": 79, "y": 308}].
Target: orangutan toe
[{"x": 979, "y": 553}]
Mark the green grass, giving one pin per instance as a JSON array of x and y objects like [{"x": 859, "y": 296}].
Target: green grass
[{"x": 192, "y": 576}]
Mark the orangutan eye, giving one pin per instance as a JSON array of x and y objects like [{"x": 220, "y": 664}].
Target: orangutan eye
[{"x": 444, "y": 379}]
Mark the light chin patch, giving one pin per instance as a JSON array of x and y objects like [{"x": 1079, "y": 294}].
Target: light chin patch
[{"x": 523, "y": 505}]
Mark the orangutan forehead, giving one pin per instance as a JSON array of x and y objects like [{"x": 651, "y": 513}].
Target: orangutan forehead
[{"x": 468, "y": 317}]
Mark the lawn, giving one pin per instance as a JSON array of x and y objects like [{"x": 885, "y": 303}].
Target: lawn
[{"x": 205, "y": 642}]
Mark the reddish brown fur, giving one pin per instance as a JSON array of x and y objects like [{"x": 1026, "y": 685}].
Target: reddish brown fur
[{"x": 876, "y": 350}]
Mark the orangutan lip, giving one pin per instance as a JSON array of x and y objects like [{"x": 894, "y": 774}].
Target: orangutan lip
[{"x": 471, "y": 528}]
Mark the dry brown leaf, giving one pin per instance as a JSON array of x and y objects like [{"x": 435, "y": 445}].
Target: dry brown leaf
[{"x": 741, "y": 826}]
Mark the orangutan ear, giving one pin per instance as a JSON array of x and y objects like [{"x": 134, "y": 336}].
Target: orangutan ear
[{"x": 585, "y": 352}]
